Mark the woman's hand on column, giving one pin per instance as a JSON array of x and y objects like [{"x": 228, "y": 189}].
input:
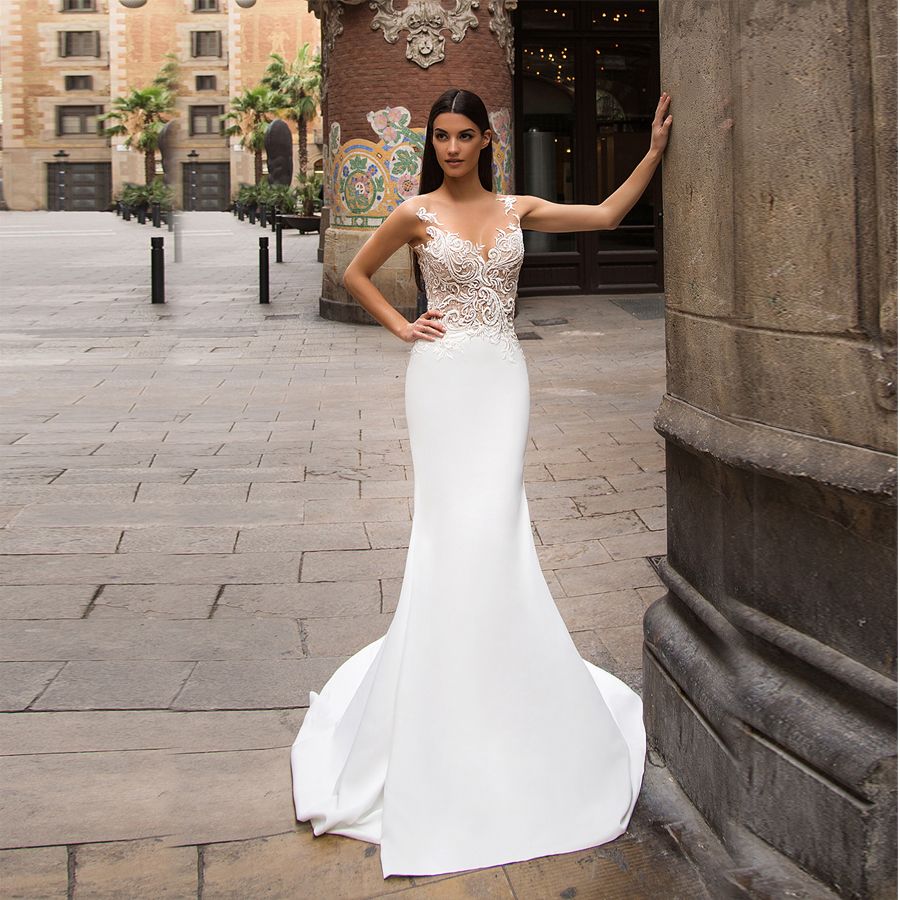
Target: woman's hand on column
[{"x": 659, "y": 131}]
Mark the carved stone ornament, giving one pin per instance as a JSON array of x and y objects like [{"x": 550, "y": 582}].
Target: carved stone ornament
[
  {"x": 423, "y": 21},
  {"x": 501, "y": 26}
]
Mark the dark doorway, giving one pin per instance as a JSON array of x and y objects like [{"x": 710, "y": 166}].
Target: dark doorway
[
  {"x": 207, "y": 186},
  {"x": 587, "y": 85},
  {"x": 79, "y": 186}
]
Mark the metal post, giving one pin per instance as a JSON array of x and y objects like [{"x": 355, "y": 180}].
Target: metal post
[
  {"x": 179, "y": 224},
  {"x": 253, "y": 214},
  {"x": 157, "y": 271},
  {"x": 263, "y": 270},
  {"x": 142, "y": 215},
  {"x": 155, "y": 212},
  {"x": 262, "y": 215},
  {"x": 126, "y": 213},
  {"x": 279, "y": 227},
  {"x": 274, "y": 218}
]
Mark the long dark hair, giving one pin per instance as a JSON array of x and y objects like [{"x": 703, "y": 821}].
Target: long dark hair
[{"x": 454, "y": 100}]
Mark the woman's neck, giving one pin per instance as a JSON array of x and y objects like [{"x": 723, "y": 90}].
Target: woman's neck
[{"x": 463, "y": 190}]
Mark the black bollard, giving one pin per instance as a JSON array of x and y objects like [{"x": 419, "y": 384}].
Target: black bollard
[
  {"x": 157, "y": 271},
  {"x": 274, "y": 218},
  {"x": 279, "y": 227},
  {"x": 262, "y": 215},
  {"x": 178, "y": 226},
  {"x": 156, "y": 211},
  {"x": 118, "y": 207},
  {"x": 252, "y": 215},
  {"x": 126, "y": 213},
  {"x": 264, "y": 270},
  {"x": 142, "y": 215}
]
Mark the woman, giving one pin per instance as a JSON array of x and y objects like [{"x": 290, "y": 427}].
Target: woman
[{"x": 472, "y": 733}]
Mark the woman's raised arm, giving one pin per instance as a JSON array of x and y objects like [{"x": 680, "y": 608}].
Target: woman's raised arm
[{"x": 543, "y": 215}]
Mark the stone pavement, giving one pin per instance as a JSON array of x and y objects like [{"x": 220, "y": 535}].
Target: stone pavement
[{"x": 205, "y": 509}]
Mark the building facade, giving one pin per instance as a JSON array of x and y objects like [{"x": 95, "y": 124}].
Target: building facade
[{"x": 63, "y": 62}]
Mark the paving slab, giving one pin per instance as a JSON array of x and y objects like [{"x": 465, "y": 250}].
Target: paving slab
[
  {"x": 35, "y": 872},
  {"x": 35, "y": 732},
  {"x": 143, "y": 868},
  {"x": 137, "y": 639}
]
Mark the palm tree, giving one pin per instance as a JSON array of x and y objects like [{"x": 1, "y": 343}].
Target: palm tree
[
  {"x": 300, "y": 81},
  {"x": 252, "y": 111},
  {"x": 141, "y": 114}
]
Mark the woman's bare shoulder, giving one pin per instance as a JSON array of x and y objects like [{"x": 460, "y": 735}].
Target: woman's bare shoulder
[{"x": 524, "y": 202}]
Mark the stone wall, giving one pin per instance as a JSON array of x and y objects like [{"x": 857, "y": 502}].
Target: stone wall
[{"x": 770, "y": 666}]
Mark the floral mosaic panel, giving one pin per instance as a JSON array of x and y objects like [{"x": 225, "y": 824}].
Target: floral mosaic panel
[{"x": 367, "y": 179}]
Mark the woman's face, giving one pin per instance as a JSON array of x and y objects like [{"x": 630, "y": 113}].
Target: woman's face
[{"x": 458, "y": 142}]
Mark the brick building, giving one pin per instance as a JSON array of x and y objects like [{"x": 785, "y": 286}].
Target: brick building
[{"x": 63, "y": 61}]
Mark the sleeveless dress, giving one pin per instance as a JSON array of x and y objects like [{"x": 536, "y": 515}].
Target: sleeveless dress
[{"x": 472, "y": 733}]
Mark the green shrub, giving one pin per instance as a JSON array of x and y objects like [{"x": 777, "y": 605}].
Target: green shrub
[
  {"x": 307, "y": 192},
  {"x": 144, "y": 195}
]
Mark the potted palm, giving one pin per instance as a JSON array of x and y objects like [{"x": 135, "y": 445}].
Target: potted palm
[
  {"x": 308, "y": 202},
  {"x": 140, "y": 115}
]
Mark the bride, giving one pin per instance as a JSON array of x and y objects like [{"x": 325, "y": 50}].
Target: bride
[{"x": 472, "y": 733}]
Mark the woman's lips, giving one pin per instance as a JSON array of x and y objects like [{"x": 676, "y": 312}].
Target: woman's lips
[{"x": 454, "y": 162}]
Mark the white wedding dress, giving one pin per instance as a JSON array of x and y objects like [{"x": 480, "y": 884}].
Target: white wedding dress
[{"x": 472, "y": 733}]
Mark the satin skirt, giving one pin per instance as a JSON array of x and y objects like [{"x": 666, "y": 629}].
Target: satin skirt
[{"x": 472, "y": 733}]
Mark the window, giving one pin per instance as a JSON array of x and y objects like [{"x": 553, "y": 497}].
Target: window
[
  {"x": 79, "y": 43},
  {"x": 77, "y": 120},
  {"x": 79, "y": 82},
  {"x": 206, "y": 5},
  {"x": 79, "y": 6},
  {"x": 206, "y": 83},
  {"x": 206, "y": 43},
  {"x": 207, "y": 119}
]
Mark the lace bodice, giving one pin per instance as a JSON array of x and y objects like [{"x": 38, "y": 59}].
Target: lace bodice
[{"x": 476, "y": 295}]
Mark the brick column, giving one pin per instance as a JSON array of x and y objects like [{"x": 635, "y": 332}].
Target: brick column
[
  {"x": 770, "y": 666},
  {"x": 375, "y": 111}
]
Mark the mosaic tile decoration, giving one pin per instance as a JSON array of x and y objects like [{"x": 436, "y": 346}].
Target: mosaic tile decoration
[{"x": 366, "y": 180}]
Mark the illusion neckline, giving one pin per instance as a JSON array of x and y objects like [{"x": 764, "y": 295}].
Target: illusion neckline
[{"x": 476, "y": 246}]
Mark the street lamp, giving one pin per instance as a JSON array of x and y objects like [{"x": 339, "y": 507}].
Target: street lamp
[
  {"x": 61, "y": 178},
  {"x": 193, "y": 156}
]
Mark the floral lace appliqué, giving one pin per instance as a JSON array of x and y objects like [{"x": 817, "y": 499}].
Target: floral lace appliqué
[{"x": 477, "y": 296}]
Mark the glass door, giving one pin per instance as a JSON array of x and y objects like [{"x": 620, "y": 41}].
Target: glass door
[
  {"x": 626, "y": 92},
  {"x": 587, "y": 84}
]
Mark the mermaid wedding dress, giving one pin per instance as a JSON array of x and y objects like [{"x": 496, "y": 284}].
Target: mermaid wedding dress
[{"x": 472, "y": 733}]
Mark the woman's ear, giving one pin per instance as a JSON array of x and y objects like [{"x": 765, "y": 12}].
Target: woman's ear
[{"x": 486, "y": 137}]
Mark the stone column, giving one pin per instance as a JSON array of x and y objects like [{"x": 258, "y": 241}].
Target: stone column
[
  {"x": 770, "y": 667},
  {"x": 383, "y": 70}
]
